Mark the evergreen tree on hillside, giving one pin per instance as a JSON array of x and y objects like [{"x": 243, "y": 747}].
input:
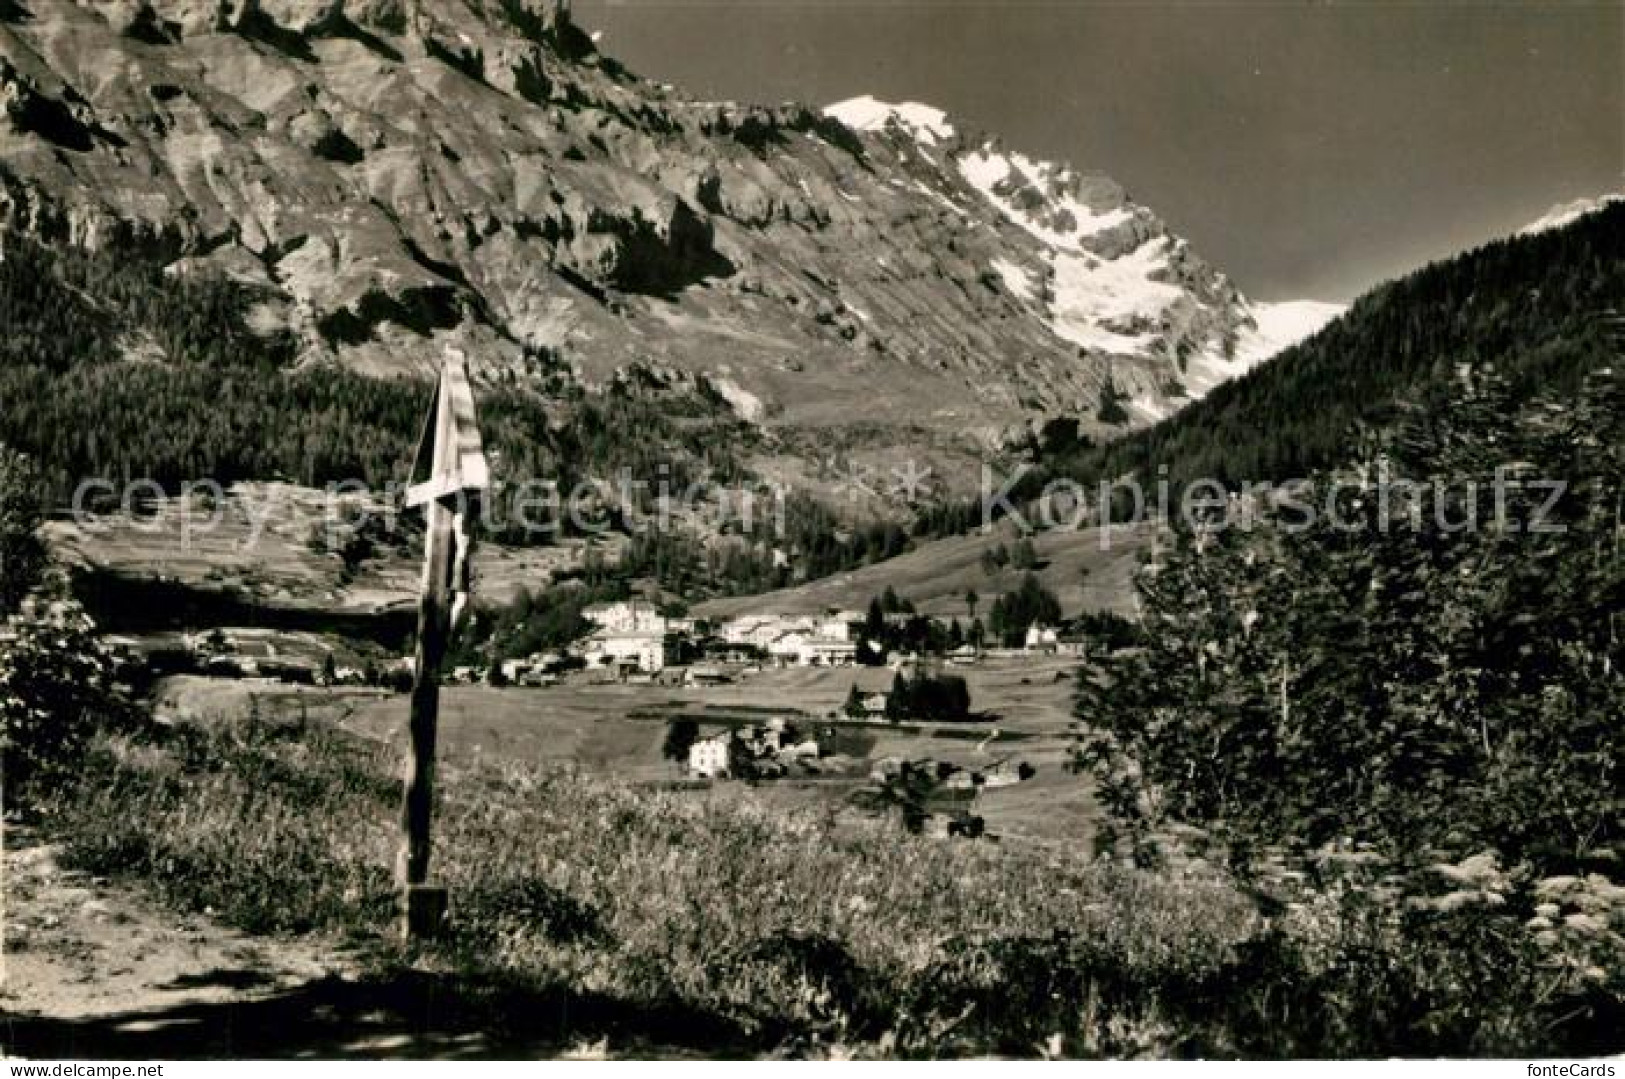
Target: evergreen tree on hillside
[
  {"x": 22, "y": 552},
  {"x": 874, "y": 622},
  {"x": 1110, "y": 410},
  {"x": 1015, "y": 611},
  {"x": 681, "y": 734},
  {"x": 897, "y": 701}
]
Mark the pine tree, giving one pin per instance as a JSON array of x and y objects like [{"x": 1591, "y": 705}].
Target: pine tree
[
  {"x": 854, "y": 702},
  {"x": 898, "y": 702}
]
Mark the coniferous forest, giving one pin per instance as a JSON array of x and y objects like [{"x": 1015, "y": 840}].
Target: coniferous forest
[
  {"x": 112, "y": 368},
  {"x": 1534, "y": 307},
  {"x": 1425, "y": 671}
]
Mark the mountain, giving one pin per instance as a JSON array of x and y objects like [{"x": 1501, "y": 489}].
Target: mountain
[
  {"x": 1104, "y": 273},
  {"x": 399, "y": 175}
]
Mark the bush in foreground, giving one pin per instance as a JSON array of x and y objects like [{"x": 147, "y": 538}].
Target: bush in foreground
[{"x": 56, "y": 694}]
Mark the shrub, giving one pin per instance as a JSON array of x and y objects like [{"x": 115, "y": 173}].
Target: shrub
[
  {"x": 22, "y": 553},
  {"x": 56, "y": 692}
]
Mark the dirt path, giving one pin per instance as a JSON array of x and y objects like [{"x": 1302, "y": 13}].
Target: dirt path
[
  {"x": 96, "y": 970},
  {"x": 78, "y": 947}
]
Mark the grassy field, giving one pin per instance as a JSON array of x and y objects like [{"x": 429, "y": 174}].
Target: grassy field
[
  {"x": 1084, "y": 571},
  {"x": 595, "y": 728}
]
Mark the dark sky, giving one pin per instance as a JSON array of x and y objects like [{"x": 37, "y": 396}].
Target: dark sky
[{"x": 1310, "y": 149}]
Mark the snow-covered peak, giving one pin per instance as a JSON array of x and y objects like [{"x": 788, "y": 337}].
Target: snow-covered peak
[
  {"x": 1569, "y": 212},
  {"x": 1104, "y": 274},
  {"x": 927, "y": 124}
]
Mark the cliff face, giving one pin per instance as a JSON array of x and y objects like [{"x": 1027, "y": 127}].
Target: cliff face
[{"x": 404, "y": 174}]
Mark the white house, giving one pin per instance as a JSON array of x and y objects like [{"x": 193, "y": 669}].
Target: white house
[
  {"x": 628, "y": 616},
  {"x": 645, "y": 651},
  {"x": 804, "y": 640},
  {"x": 631, "y": 633},
  {"x": 762, "y": 630},
  {"x": 712, "y": 758},
  {"x": 740, "y": 630},
  {"x": 787, "y": 647},
  {"x": 837, "y": 625},
  {"x": 1042, "y": 638},
  {"x": 827, "y": 653},
  {"x": 804, "y": 649},
  {"x": 1072, "y": 644}
]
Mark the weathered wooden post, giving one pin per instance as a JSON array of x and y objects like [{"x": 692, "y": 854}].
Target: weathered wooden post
[{"x": 450, "y": 463}]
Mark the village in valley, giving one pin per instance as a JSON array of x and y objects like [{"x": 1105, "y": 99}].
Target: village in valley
[
  {"x": 937, "y": 689},
  {"x": 634, "y": 642},
  {"x": 878, "y": 711}
]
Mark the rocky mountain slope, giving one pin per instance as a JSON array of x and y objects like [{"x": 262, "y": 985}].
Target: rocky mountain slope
[{"x": 404, "y": 174}]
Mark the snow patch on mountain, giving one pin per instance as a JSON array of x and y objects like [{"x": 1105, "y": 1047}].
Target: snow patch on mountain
[
  {"x": 867, "y": 113},
  {"x": 1017, "y": 280},
  {"x": 940, "y": 199},
  {"x": 1036, "y": 195},
  {"x": 746, "y": 404},
  {"x": 1279, "y": 326},
  {"x": 1569, "y": 212},
  {"x": 1275, "y": 328},
  {"x": 1113, "y": 305}
]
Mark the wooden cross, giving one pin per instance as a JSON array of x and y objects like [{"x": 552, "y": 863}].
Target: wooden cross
[{"x": 450, "y": 464}]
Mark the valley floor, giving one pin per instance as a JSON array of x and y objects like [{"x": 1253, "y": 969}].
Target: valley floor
[{"x": 1024, "y": 706}]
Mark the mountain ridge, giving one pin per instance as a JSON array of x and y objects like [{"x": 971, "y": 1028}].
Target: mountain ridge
[
  {"x": 1566, "y": 213},
  {"x": 1107, "y": 269},
  {"x": 405, "y": 176},
  {"x": 1536, "y": 307}
]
